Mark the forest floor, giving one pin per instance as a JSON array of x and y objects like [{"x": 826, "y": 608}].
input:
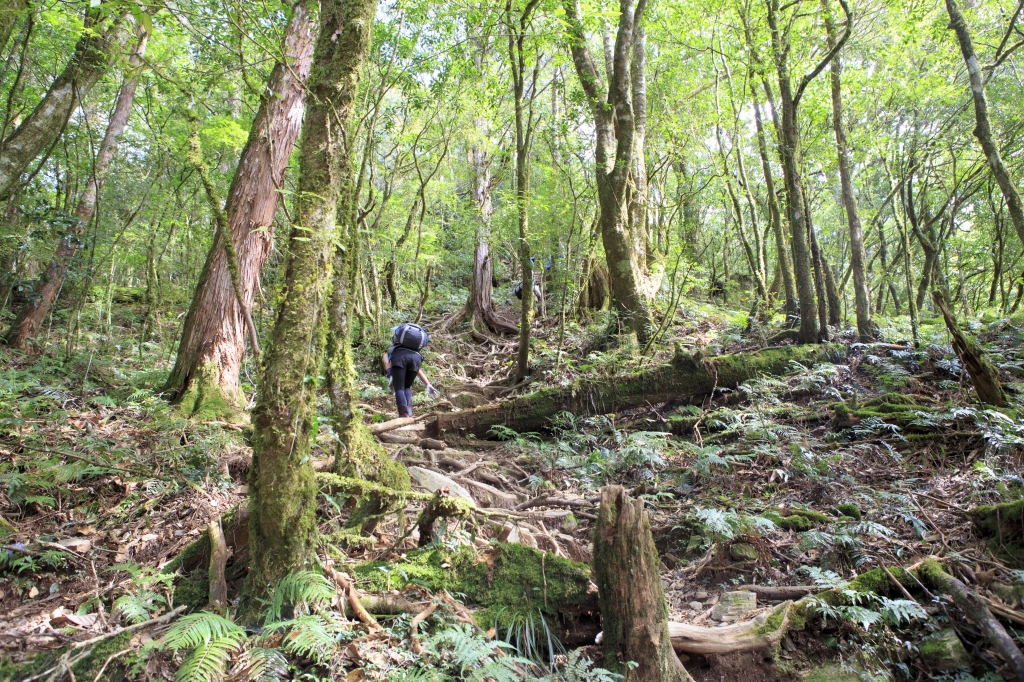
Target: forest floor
[{"x": 810, "y": 479}]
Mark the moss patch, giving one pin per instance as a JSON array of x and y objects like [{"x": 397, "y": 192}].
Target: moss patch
[
  {"x": 506, "y": 579},
  {"x": 88, "y": 667},
  {"x": 1004, "y": 525},
  {"x": 847, "y": 509}
]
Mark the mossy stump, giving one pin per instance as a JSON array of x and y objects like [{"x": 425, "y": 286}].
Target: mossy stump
[
  {"x": 1004, "y": 525},
  {"x": 633, "y": 607}
]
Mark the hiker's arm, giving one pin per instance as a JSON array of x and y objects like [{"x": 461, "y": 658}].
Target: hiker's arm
[
  {"x": 387, "y": 363},
  {"x": 423, "y": 378}
]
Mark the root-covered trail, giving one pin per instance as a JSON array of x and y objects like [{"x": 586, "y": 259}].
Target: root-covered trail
[{"x": 784, "y": 506}]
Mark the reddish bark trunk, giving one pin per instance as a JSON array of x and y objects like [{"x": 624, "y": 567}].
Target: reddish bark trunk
[
  {"x": 32, "y": 315},
  {"x": 215, "y": 328}
]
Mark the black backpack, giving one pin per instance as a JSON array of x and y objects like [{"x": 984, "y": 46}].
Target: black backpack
[{"x": 411, "y": 336}]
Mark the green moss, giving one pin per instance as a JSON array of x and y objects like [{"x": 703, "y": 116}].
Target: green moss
[
  {"x": 205, "y": 399},
  {"x": 815, "y": 517},
  {"x": 192, "y": 591},
  {"x": 509, "y": 579},
  {"x": 776, "y": 619},
  {"x": 877, "y": 581},
  {"x": 796, "y": 523},
  {"x": 848, "y": 509},
  {"x": 944, "y": 651},
  {"x": 1004, "y": 525},
  {"x": 89, "y": 667}
]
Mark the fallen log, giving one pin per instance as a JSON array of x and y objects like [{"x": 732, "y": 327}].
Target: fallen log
[
  {"x": 983, "y": 373},
  {"x": 974, "y": 607},
  {"x": 779, "y": 593},
  {"x": 686, "y": 376},
  {"x": 425, "y": 443},
  {"x": 758, "y": 633}
]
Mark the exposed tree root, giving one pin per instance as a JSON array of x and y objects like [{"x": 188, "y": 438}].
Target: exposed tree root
[{"x": 218, "y": 562}]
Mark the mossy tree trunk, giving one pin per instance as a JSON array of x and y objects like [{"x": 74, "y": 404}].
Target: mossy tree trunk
[
  {"x": 633, "y": 609},
  {"x": 32, "y": 315},
  {"x": 358, "y": 454},
  {"x": 282, "y": 526},
  {"x": 103, "y": 30},
  {"x": 616, "y": 146},
  {"x": 684, "y": 377},
  {"x": 984, "y": 375},
  {"x": 206, "y": 370}
]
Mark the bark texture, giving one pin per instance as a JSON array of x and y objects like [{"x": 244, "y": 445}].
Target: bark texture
[
  {"x": 32, "y": 315},
  {"x": 282, "y": 522},
  {"x": 684, "y": 377},
  {"x": 213, "y": 338},
  {"x": 615, "y": 129},
  {"x": 633, "y": 608},
  {"x": 983, "y": 128},
  {"x": 46, "y": 122}
]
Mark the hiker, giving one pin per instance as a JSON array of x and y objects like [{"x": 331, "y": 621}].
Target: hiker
[{"x": 402, "y": 365}]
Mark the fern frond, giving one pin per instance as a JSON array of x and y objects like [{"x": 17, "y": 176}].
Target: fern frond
[
  {"x": 264, "y": 665},
  {"x": 208, "y": 661},
  {"x": 200, "y": 629},
  {"x": 304, "y": 591}
]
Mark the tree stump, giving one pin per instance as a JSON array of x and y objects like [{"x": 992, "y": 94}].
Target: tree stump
[
  {"x": 984, "y": 375},
  {"x": 633, "y": 607}
]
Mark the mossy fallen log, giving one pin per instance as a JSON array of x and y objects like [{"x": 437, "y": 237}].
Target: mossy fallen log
[
  {"x": 1003, "y": 524},
  {"x": 686, "y": 376}
]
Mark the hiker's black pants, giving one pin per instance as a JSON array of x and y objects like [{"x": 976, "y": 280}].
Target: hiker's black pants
[{"x": 405, "y": 364}]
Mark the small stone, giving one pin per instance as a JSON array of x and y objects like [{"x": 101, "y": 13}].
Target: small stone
[
  {"x": 33, "y": 593},
  {"x": 701, "y": 594},
  {"x": 149, "y": 537},
  {"x": 80, "y": 545},
  {"x": 733, "y": 605},
  {"x": 696, "y": 605},
  {"x": 944, "y": 651},
  {"x": 509, "y": 533},
  {"x": 743, "y": 551}
]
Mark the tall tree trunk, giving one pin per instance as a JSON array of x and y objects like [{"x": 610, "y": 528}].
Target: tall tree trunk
[
  {"x": 785, "y": 264},
  {"x": 213, "y": 337},
  {"x": 982, "y": 128},
  {"x": 865, "y": 327},
  {"x": 789, "y": 150},
  {"x": 633, "y": 608},
  {"x": 282, "y": 523},
  {"x": 614, "y": 122},
  {"x": 32, "y": 315},
  {"x": 46, "y": 122},
  {"x": 518, "y": 26},
  {"x": 8, "y": 17}
]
